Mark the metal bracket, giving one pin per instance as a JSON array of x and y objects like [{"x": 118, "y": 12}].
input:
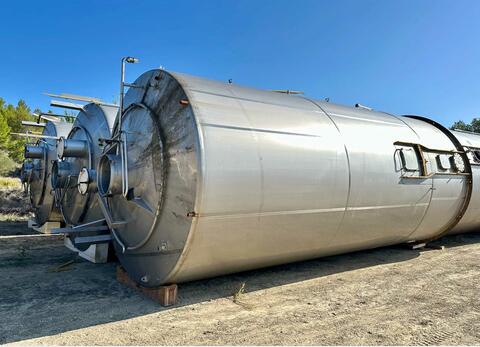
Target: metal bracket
[
  {"x": 93, "y": 239},
  {"x": 106, "y": 212},
  {"x": 87, "y": 227},
  {"x": 420, "y": 149},
  {"x": 67, "y": 105}
]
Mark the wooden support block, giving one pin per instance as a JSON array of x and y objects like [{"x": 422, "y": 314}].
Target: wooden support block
[
  {"x": 164, "y": 295},
  {"x": 96, "y": 253},
  {"x": 45, "y": 228}
]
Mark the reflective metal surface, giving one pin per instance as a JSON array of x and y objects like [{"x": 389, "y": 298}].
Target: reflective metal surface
[
  {"x": 40, "y": 188},
  {"x": 75, "y": 171},
  {"x": 207, "y": 178},
  {"x": 33, "y": 152},
  {"x": 71, "y": 148}
]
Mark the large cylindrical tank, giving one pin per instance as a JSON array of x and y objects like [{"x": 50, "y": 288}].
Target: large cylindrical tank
[
  {"x": 74, "y": 173},
  {"x": 37, "y": 170},
  {"x": 221, "y": 178}
]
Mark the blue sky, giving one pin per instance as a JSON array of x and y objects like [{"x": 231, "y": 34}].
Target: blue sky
[{"x": 403, "y": 57}]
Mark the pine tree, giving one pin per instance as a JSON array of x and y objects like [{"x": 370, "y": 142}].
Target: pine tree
[
  {"x": 4, "y": 134},
  {"x": 13, "y": 117},
  {"x": 473, "y": 126}
]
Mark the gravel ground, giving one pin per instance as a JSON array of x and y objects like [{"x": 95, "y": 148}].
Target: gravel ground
[{"x": 385, "y": 296}]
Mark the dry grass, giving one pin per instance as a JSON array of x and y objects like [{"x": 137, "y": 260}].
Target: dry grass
[
  {"x": 14, "y": 217},
  {"x": 238, "y": 293},
  {"x": 62, "y": 267},
  {"x": 14, "y": 203},
  {"x": 10, "y": 183},
  {"x": 238, "y": 298},
  {"x": 8, "y": 166}
]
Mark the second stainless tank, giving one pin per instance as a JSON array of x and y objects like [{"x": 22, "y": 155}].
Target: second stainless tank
[{"x": 74, "y": 173}]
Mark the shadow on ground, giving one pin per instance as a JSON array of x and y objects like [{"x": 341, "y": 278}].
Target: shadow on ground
[
  {"x": 8, "y": 228},
  {"x": 38, "y": 300}
]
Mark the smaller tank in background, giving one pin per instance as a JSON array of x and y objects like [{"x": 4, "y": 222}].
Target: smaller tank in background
[
  {"x": 74, "y": 175},
  {"x": 37, "y": 167}
]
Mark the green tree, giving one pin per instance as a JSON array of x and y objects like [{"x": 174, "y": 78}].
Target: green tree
[
  {"x": 473, "y": 126},
  {"x": 461, "y": 125},
  {"x": 70, "y": 116},
  {"x": 4, "y": 134},
  {"x": 13, "y": 117},
  {"x": 4, "y": 129}
]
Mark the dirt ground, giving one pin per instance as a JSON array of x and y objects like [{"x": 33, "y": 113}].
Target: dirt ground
[
  {"x": 14, "y": 202},
  {"x": 384, "y": 296}
]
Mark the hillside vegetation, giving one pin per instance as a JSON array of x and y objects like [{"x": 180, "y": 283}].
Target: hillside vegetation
[{"x": 11, "y": 118}]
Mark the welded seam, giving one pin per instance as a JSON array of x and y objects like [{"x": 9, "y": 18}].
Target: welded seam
[
  {"x": 232, "y": 127},
  {"x": 364, "y": 119},
  {"x": 347, "y": 202},
  {"x": 310, "y": 211},
  {"x": 294, "y": 107}
]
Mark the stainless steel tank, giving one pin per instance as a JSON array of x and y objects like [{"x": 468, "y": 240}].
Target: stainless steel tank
[
  {"x": 74, "y": 173},
  {"x": 37, "y": 168},
  {"x": 207, "y": 178}
]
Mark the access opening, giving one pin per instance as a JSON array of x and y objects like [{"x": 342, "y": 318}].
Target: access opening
[{"x": 104, "y": 175}]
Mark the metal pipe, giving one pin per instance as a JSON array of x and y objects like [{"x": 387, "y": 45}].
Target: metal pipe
[
  {"x": 122, "y": 91},
  {"x": 61, "y": 170},
  {"x": 34, "y": 152},
  {"x": 71, "y": 148},
  {"x": 125, "y": 165},
  {"x": 130, "y": 60},
  {"x": 33, "y": 124},
  {"x": 123, "y": 147},
  {"x": 67, "y": 105},
  {"x": 110, "y": 175},
  {"x": 88, "y": 224},
  {"x": 39, "y": 136}
]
